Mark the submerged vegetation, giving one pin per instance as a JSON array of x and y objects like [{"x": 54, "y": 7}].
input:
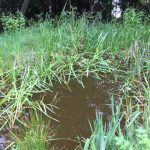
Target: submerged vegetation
[{"x": 32, "y": 58}]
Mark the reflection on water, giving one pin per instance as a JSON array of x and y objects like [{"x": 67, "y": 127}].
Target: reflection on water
[
  {"x": 2, "y": 142},
  {"x": 77, "y": 107}
]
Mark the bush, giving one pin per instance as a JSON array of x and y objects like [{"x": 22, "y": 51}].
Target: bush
[
  {"x": 131, "y": 18},
  {"x": 12, "y": 22}
]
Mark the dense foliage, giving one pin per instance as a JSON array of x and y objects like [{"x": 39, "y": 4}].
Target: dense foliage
[{"x": 56, "y": 6}]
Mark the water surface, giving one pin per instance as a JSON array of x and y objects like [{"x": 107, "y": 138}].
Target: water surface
[{"x": 77, "y": 107}]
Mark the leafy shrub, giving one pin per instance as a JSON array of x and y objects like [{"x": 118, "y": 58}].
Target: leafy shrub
[
  {"x": 138, "y": 140},
  {"x": 131, "y": 18},
  {"x": 12, "y": 22}
]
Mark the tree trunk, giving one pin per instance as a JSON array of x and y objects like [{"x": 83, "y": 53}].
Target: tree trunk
[{"x": 24, "y": 6}]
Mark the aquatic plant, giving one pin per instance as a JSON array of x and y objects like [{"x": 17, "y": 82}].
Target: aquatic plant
[
  {"x": 134, "y": 134},
  {"x": 33, "y": 134}
]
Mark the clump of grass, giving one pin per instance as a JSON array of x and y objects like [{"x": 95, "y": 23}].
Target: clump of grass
[
  {"x": 102, "y": 136},
  {"x": 34, "y": 134}
]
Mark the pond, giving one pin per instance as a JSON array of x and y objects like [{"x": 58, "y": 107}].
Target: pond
[{"x": 78, "y": 105}]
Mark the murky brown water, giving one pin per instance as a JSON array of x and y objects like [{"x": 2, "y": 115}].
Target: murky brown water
[{"x": 77, "y": 107}]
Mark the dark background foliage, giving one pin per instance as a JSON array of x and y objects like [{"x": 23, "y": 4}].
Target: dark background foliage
[{"x": 54, "y": 7}]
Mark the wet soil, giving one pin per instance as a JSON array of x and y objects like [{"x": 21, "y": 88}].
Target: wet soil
[{"x": 77, "y": 107}]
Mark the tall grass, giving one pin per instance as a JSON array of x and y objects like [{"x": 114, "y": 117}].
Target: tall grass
[
  {"x": 34, "y": 134},
  {"x": 103, "y": 136},
  {"x": 32, "y": 58}
]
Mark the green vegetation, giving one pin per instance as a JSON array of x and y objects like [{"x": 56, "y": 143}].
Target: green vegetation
[
  {"x": 135, "y": 96},
  {"x": 33, "y": 134},
  {"x": 135, "y": 135},
  {"x": 32, "y": 58},
  {"x": 12, "y": 22}
]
